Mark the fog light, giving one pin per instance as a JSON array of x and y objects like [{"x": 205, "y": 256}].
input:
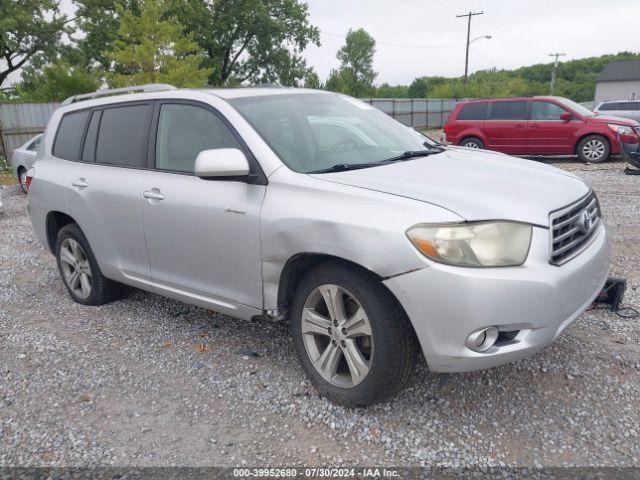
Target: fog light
[{"x": 482, "y": 340}]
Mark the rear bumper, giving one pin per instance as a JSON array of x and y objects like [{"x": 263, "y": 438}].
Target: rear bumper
[{"x": 445, "y": 304}]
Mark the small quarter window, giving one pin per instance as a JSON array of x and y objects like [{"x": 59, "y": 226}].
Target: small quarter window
[{"x": 69, "y": 135}]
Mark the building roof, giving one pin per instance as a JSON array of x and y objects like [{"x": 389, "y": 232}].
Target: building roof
[{"x": 621, "y": 71}]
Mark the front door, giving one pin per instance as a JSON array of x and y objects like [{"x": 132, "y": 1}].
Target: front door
[
  {"x": 547, "y": 134},
  {"x": 203, "y": 236},
  {"x": 506, "y": 127}
]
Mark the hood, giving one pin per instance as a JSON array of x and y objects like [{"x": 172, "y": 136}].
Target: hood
[
  {"x": 476, "y": 185},
  {"x": 617, "y": 120}
]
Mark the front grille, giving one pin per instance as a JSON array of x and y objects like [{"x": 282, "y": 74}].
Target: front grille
[{"x": 573, "y": 228}]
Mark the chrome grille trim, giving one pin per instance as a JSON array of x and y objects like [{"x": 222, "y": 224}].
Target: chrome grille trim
[{"x": 568, "y": 238}]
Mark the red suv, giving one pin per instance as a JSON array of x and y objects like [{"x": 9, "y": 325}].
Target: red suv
[{"x": 538, "y": 126}]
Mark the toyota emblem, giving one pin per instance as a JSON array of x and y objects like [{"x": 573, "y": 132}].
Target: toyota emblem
[{"x": 584, "y": 222}]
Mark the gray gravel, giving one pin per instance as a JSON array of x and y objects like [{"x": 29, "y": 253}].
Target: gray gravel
[{"x": 148, "y": 381}]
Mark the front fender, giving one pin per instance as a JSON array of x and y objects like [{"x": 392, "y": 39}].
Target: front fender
[{"x": 301, "y": 214}]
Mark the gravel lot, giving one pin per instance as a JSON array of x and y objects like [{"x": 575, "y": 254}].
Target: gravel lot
[{"x": 148, "y": 381}]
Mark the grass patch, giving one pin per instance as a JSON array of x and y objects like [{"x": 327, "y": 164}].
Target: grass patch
[{"x": 6, "y": 178}]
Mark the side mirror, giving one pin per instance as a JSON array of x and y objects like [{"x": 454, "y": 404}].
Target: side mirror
[
  {"x": 221, "y": 162},
  {"x": 566, "y": 116}
]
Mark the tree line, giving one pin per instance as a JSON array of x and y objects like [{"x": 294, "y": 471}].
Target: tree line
[{"x": 194, "y": 43}]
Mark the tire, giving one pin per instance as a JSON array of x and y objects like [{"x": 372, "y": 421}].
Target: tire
[
  {"x": 472, "y": 142},
  {"x": 593, "y": 149},
  {"x": 387, "y": 355},
  {"x": 73, "y": 252},
  {"x": 22, "y": 178}
]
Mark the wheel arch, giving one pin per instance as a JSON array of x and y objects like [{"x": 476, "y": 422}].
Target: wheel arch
[
  {"x": 590, "y": 134},
  {"x": 473, "y": 135},
  {"x": 55, "y": 222},
  {"x": 301, "y": 263}
]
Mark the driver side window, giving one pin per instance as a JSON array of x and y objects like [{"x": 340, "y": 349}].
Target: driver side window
[
  {"x": 186, "y": 130},
  {"x": 546, "y": 111}
]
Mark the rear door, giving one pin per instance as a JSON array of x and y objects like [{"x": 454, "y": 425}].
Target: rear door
[
  {"x": 104, "y": 187},
  {"x": 547, "y": 134},
  {"x": 506, "y": 126},
  {"x": 203, "y": 236}
]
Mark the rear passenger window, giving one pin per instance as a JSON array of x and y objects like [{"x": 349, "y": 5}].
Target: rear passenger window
[
  {"x": 509, "y": 110},
  {"x": 69, "y": 135},
  {"x": 186, "y": 130},
  {"x": 89, "y": 148},
  {"x": 630, "y": 106},
  {"x": 473, "y": 111},
  {"x": 123, "y": 136}
]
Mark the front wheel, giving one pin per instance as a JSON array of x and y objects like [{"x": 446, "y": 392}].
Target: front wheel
[
  {"x": 593, "y": 149},
  {"x": 472, "y": 142},
  {"x": 351, "y": 337}
]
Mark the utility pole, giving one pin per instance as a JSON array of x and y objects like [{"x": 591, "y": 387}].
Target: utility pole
[
  {"x": 466, "y": 60},
  {"x": 555, "y": 69}
]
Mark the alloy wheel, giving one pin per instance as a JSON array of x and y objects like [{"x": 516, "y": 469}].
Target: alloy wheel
[
  {"x": 471, "y": 145},
  {"x": 23, "y": 179},
  {"x": 337, "y": 335},
  {"x": 75, "y": 268},
  {"x": 593, "y": 149}
]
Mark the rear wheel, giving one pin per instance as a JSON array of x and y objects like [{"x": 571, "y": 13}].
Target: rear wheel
[
  {"x": 22, "y": 178},
  {"x": 352, "y": 338},
  {"x": 594, "y": 149},
  {"x": 79, "y": 269},
  {"x": 472, "y": 142}
]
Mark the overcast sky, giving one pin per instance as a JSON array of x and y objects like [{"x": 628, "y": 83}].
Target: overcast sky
[
  {"x": 424, "y": 37},
  {"x": 523, "y": 32}
]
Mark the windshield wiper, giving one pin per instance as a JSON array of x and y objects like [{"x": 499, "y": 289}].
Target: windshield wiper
[
  {"x": 343, "y": 167},
  {"x": 414, "y": 154}
]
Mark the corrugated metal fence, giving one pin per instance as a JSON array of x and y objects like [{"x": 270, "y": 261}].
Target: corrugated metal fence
[
  {"x": 416, "y": 112},
  {"x": 21, "y": 121}
]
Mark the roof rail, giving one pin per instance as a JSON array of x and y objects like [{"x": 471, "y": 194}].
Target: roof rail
[{"x": 149, "y": 87}]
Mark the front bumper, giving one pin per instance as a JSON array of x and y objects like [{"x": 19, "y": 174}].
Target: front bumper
[{"x": 445, "y": 304}]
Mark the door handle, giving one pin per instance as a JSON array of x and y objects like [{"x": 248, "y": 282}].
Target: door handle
[
  {"x": 80, "y": 183},
  {"x": 534, "y": 125},
  {"x": 153, "y": 194},
  {"x": 519, "y": 125}
]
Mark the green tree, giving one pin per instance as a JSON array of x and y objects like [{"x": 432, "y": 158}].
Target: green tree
[
  {"x": 312, "y": 80},
  {"x": 99, "y": 21},
  {"x": 356, "y": 73},
  {"x": 153, "y": 48},
  {"x": 55, "y": 82},
  {"x": 27, "y": 28},
  {"x": 253, "y": 41}
]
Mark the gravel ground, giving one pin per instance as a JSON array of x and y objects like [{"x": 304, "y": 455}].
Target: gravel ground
[{"x": 148, "y": 381}]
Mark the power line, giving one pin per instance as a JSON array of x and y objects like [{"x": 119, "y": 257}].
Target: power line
[
  {"x": 402, "y": 45},
  {"x": 555, "y": 70},
  {"x": 466, "y": 60}
]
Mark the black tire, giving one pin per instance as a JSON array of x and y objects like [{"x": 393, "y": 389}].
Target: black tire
[
  {"x": 22, "y": 171},
  {"x": 592, "y": 144},
  {"x": 472, "y": 142},
  {"x": 394, "y": 342},
  {"x": 102, "y": 289}
]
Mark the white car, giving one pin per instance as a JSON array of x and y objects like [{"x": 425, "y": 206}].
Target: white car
[{"x": 23, "y": 158}]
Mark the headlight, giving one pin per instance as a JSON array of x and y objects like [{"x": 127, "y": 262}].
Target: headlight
[
  {"x": 621, "y": 129},
  {"x": 482, "y": 244}
]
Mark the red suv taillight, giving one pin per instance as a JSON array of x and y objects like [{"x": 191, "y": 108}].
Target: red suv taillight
[{"x": 29, "y": 178}]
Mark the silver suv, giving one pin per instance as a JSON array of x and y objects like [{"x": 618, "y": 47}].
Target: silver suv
[{"x": 372, "y": 241}]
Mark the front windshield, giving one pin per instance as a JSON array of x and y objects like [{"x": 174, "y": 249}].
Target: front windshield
[
  {"x": 315, "y": 131},
  {"x": 576, "y": 107}
]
